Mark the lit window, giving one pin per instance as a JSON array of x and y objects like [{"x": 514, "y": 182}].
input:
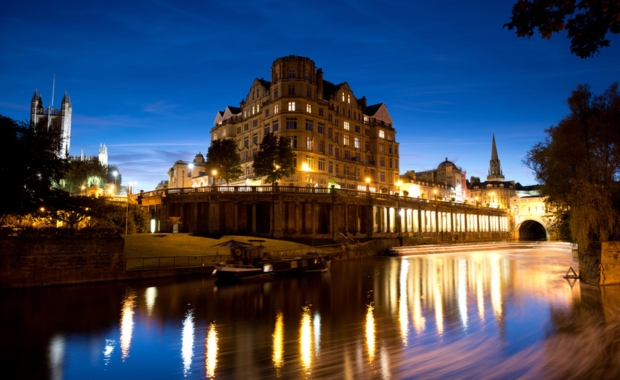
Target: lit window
[
  {"x": 346, "y": 125},
  {"x": 381, "y": 133},
  {"x": 257, "y": 108},
  {"x": 309, "y": 144},
  {"x": 291, "y": 106},
  {"x": 276, "y": 108},
  {"x": 349, "y": 99},
  {"x": 253, "y": 109},
  {"x": 343, "y": 96},
  {"x": 345, "y": 139},
  {"x": 309, "y": 108},
  {"x": 356, "y": 142}
]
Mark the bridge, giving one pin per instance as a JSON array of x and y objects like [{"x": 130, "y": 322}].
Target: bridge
[{"x": 320, "y": 213}]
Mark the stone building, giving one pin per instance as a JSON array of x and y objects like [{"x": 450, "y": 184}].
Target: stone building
[
  {"x": 59, "y": 122},
  {"x": 337, "y": 138},
  {"x": 447, "y": 175},
  {"x": 495, "y": 191},
  {"x": 189, "y": 174}
]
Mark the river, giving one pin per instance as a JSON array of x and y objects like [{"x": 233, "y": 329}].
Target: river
[{"x": 501, "y": 314}]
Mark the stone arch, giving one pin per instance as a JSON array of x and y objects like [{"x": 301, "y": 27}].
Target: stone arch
[{"x": 532, "y": 230}]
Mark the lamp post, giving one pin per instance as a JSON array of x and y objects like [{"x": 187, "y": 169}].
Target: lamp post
[
  {"x": 115, "y": 173},
  {"x": 368, "y": 184}
]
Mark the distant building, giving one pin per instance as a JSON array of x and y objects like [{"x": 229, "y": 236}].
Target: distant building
[
  {"x": 188, "y": 174},
  {"x": 495, "y": 191},
  {"x": 337, "y": 138},
  {"x": 449, "y": 175},
  {"x": 59, "y": 122}
]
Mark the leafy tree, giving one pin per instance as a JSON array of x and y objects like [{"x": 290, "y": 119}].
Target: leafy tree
[
  {"x": 222, "y": 156},
  {"x": 29, "y": 167},
  {"x": 85, "y": 173},
  {"x": 275, "y": 159},
  {"x": 578, "y": 166},
  {"x": 586, "y": 21}
]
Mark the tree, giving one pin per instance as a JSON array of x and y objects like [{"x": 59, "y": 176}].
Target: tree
[
  {"x": 586, "y": 21},
  {"x": 223, "y": 157},
  {"x": 29, "y": 167},
  {"x": 578, "y": 166},
  {"x": 275, "y": 159},
  {"x": 85, "y": 173}
]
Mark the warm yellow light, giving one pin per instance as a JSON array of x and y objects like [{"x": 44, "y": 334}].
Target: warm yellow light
[
  {"x": 399, "y": 183},
  {"x": 367, "y": 179},
  {"x": 435, "y": 191},
  {"x": 304, "y": 167},
  {"x": 42, "y": 209},
  {"x": 214, "y": 172}
]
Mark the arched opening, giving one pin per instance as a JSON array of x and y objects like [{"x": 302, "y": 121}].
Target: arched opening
[{"x": 532, "y": 230}]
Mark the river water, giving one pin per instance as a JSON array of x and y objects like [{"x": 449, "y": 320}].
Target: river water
[{"x": 495, "y": 314}]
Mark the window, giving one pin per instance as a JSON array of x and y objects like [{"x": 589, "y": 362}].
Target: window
[
  {"x": 337, "y": 169},
  {"x": 246, "y": 127},
  {"x": 309, "y": 108},
  {"x": 266, "y": 130},
  {"x": 308, "y": 92},
  {"x": 349, "y": 114},
  {"x": 306, "y": 76},
  {"x": 275, "y": 93},
  {"x": 381, "y": 133},
  {"x": 255, "y": 139},
  {"x": 322, "y": 146},
  {"x": 267, "y": 112},
  {"x": 329, "y": 117},
  {"x": 320, "y": 111},
  {"x": 347, "y": 154},
  {"x": 349, "y": 100},
  {"x": 310, "y": 162},
  {"x": 358, "y": 157},
  {"x": 367, "y": 132},
  {"x": 238, "y": 130},
  {"x": 276, "y": 108},
  {"x": 291, "y": 106},
  {"x": 321, "y": 128},
  {"x": 356, "y": 142},
  {"x": 330, "y": 149},
  {"x": 276, "y": 125},
  {"x": 345, "y": 139},
  {"x": 382, "y": 162},
  {"x": 291, "y": 74},
  {"x": 357, "y": 129},
  {"x": 253, "y": 109},
  {"x": 293, "y": 142},
  {"x": 330, "y": 167},
  {"x": 329, "y": 133},
  {"x": 291, "y": 89},
  {"x": 309, "y": 126},
  {"x": 336, "y": 122},
  {"x": 337, "y": 153},
  {"x": 390, "y": 162},
  {"x": 246, "y": 155},
  {"x": 336, "y": 138},
  {"x": 382, "y": 176},
  {"x": 322, "y": 164},
  {"x": 381, "y": 148},
  {"x": 246, "y": 141},
  {"x": 343, "y": 96},
  {"x": 254, "y": 153},
  {"x": 345, "y": 125},
  {"x": 366, "y": 146},
  {"x": 291, "y": 123},
  {"x": 257, "y": 108},
  {"x": 309, "y": 144},
  {"x": 255, "y": 123}
]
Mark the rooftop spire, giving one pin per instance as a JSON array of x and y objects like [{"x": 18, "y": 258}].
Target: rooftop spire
[{"x": 495, "y": 169}]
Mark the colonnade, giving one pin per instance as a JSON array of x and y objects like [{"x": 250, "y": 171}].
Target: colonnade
[{"x": 410, "y": 221}]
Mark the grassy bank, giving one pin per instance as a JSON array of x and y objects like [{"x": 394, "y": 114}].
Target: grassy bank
[{"x": 158, "y": 245}]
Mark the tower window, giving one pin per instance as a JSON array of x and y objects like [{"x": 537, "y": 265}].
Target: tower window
[{"x": 291, "y": 74}]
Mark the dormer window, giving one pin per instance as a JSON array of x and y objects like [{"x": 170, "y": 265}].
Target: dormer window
[
  {"x": 343, "y": 96},
  {"x": 291, "y": 74}
]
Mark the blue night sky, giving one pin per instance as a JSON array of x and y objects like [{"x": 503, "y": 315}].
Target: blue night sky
[{"x": 147, "y": 78}]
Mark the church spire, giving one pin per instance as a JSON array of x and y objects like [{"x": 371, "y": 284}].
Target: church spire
[{"x": 495, "y": 169}]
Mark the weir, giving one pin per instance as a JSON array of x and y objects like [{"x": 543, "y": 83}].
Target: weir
[{"x": 321, "y": 213}]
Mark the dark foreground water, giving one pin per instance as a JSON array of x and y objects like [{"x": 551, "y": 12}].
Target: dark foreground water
[{"x": 476, "y": 315}]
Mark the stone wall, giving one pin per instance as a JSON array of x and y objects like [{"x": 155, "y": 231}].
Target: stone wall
[
  {"x": 41, "y": 261},
  {"x": 601, "y": 263}
]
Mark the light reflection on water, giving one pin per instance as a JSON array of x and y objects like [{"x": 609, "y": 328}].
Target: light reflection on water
[{"x": 501, "y": 314}]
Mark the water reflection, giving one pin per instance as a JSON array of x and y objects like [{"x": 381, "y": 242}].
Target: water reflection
[
  {"x": 504, "y": 314},
  {"x": 127, "y": 312},
  {"x": 305, "y": 340},
  {"x": 370, "y": 332},
  {"x": 187, "y": 342},
  {"x": 211, "y": 351}
]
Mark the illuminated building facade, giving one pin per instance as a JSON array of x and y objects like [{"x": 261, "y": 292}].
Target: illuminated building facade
[{"x": 337, "y": 138}]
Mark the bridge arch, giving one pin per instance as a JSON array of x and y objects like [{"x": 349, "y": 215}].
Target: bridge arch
[{"x": 532, "y": 230}]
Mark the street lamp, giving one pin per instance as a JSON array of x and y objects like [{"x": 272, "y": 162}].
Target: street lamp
[
  {"x": 367, "y": 183},
  {"x": 115, "y": 173},
  {"x": 398, "y": 184},
  {"x": 213, "y": 174},
  {"x": 435, "y": 193},
  {"x": 83, "y": 190}
]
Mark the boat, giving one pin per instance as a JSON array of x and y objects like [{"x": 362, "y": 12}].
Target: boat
[{"x": 246, "y": 263}]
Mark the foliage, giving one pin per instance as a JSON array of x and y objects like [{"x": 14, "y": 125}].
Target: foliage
[
  {"x": 74, "y": 211},
  {"x": 85, "y": 173},
  {"x": 29, "y": 167},
  {"x": 275, "y": 159},
  {"x": 586, "y": 21},
  {"x": 578, "y": 166},
  {"x": 222, "y": 156}
]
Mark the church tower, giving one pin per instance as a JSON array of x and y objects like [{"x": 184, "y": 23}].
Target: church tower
[
  {"x": 52, "y": 119},
  {"x": 495, "y": 170}
]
